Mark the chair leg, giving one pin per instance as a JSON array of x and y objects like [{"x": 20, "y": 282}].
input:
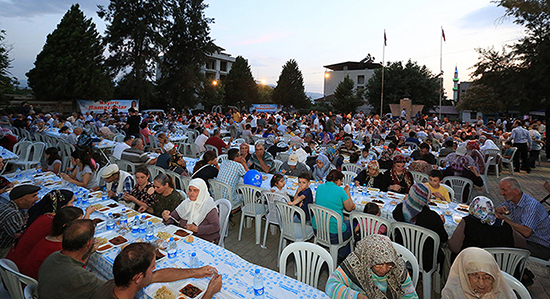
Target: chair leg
[
  {"x": 511, "y": 165},
  {"x": 281, "y": 240},
  {"x": 426, "y": 285},
  {"x": 241, "y": 226},
  {"x": 265, "y": 233},
  {"x": 258, "y": 228},
  {"x": 334, "y": 254}
]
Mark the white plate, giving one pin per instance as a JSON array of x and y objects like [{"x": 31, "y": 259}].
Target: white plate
[
  {"x": 172, "y": 229},
  {"x": 110, "y": 235}
]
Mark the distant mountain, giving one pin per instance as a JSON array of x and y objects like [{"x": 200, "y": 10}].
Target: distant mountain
[{"x": 314, "y": 95}]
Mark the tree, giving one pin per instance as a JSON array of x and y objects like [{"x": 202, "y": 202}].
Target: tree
[
  {"x": 211, "y": 93},
  {"x": 290, "y": 90},
  {"x": 417, "y": 81},
  {"x": 240, "y": 88},
  {"x": 6, "y": 81},
  {"x": 188, "y": 40},
  {"x": 265, "y": 94},
  {"x": 345, "y": 99},
  {"x": 71, "y": 64},
  {"x": 134, "y": 38}
]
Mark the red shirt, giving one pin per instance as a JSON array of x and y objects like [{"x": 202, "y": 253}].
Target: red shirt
[
  {"x": 217, "y": 142},
  {"x": 38, "y": 230},
  {"x": 37, "y": 255}
]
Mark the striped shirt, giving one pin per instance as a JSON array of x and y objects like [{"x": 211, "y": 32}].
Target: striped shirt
[
  {"x": 135, "y": 156},
  {"x": 11, "y": 223},
  {"x": 340, "y": 286},
  {"x": 531, "y": 213}
]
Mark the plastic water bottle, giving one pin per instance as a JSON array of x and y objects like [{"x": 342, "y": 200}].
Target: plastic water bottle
[
  {"x": 142, "y": 226},
  {"x": 104, "y": 194},
  {"x": 110, "y": 222},
  {"x": 123, "y": 218},
  {"x": 258, "y": 284},
  {"x": 194, "y": 262},
  {"x": 364, "y": 189},
  {"x": 18, "y": 173},
  {"x": 172, "y": 248},
  {"x": 38, "y": 168},
  {"x": 135, "y": 226},
  {"x": 149, "y": 232}
]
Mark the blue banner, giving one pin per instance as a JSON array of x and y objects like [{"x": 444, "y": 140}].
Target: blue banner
[{"x": 271, "y": 108}]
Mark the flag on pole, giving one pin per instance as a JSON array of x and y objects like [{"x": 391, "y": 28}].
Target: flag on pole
[
  {"x": 443, "y": 34},
  {"x": 385, "y": 38}
]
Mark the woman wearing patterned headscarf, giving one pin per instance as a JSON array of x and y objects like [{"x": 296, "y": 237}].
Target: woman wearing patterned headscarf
[
  {"x": 398, "y": 179},
  {"x": 473, "y": 151},
  {"x": 374, "y": 270},
  {"x": 482, "y": 229},
  {"x": 414, "y": 209},
  {"x": 370, "y": 176},
  {"x": 321, "y": 169}
]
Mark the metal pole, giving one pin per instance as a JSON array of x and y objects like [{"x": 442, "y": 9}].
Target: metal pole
[
  {"x": 441, "y": 71},
  {"x": 383, "y": 67}
]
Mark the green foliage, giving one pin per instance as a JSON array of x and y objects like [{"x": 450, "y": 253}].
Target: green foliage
[
  {"x": 6, "y": 81},
  {"x": 127, "y": 88},
  {"x": 240, "y": 88},
  {"x": 417, "y": 81},
  {"x": 290, "y": 90},
  {"x": 346, "y": 99},
  {"x": 265, "y": 94},
  {"x": 71, "y": 64},
  {"x": 187, "y": 36},
  {"x": 211, "y": 94}
]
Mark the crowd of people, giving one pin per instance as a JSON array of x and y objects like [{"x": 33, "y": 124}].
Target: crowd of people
[{"x": 53, "y": 238}]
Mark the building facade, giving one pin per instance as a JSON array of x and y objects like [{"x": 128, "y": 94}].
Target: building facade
[{"x": 359, "y": 72}]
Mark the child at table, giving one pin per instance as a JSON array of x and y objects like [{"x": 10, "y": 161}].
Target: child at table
[
  {"x": 303, "y": 196},
  {"x": 365, "y": 157},
  {"x": 438, "y": 192},
  {"x": 373, "y": 209},
  {"x": 278, "y": 184}
]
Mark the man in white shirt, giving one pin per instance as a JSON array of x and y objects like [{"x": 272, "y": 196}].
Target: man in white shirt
[
  {"x": 119, "y": 148},
  {"x": 201, "y": 140},
  {"x": 347, "y": 126}
]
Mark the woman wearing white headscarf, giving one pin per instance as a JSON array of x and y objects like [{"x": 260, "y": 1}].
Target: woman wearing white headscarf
[
  {"x": 475, "y": 274},
  {"x": 198, "y": 213}
]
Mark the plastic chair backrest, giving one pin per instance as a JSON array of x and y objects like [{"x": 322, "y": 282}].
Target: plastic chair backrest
[
  {"x": 13, "y": 279},
  {"x": 22, "y": 149},
  {"x": 487, "y": 164},
  {"x": 31, "y": 291},
  {"x": 309, "y": 259},
  {"x": 127, "y": 166},
  {"x": 252, "y": 196},
  {"x": 414, "y": 237},
  {"x": 155, "y": 170},
  {"x": 287, "y": 212},
  {"x": 369, "y": 224},
  {"x": 38, "y": 149},
  {"x": 240, "y": 140},
  {"x": 510, "y": 259},
  {"x": 209, "y": 147},
  {"x": 224, "y": 209},
  {"x": 226, "y": 139},
  {"x": 411, "y": 145},
  {"x": 322, "y": 217},
  {"x": 271, "y": 197},
  {"x": 97, "y": 178},
  {"x": 185, "y": 180},
  {"x": 176, "y": 178},
  {"x": 450, "y": 191},
  {"x": 420, "y": 177},
  {"x": 516, "y": 285},
  {"x": 222, "y": 158},
  {"x": 119, "y": 138},
  {"x": 348, "y": 177},
  {"x": 408, "y": 256},
  {"x": 351, "y": 167},
  {"x": 262, "y": 141},
  {"x": 277, "y": 165},
  {"x": 459, "y": 185},
  {"x": 282, "y": 157},
  {"x": 220, "y": 190}
]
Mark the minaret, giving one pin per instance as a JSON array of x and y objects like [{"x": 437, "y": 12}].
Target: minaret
[{"x": 455, "y": 87}]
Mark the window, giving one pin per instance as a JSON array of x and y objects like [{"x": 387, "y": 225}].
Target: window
[
  {"x": 361, "y": 79},
  {"x": 223, "y": 66}
]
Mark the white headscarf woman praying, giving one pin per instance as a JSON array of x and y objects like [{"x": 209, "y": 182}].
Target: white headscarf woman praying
[{"x": 198, "y": 213}]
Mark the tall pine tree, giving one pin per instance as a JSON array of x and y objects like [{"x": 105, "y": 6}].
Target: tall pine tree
[
  {"x": 71, "y": 64},
  {"x": 6, "y": 81},
  {"x": 290, "y": 90},
  {"x": 240, "y": 88}
]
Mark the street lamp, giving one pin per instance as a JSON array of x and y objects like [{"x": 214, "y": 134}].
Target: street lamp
[
  {"x": 327, "y": 75},
  {"x": 214, "y": 82},
  {"x": 263, "y": 81}
]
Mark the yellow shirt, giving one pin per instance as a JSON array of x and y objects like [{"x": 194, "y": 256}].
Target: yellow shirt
[{"x": 442, "y": 190}]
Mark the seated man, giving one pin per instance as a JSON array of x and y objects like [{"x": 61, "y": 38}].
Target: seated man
[
  {"x": 261, "y": 160},
  {"x": 11, "y": 216},
  {"x": 164, "y": 159},
  {"x": 201, "y": 140},
  {"x": 231, "y": 171},
  {"x": 216, "y": 141},
  {"x": 349, "y": 148},
  {"x": 447, "y": 149},
  {"x": 117, "y": 181},
  {"x": 423, "y": 153},
  {"x": 136, "y": 155},
  {"x": 412, "y": 138},
  {"x": 120, "y": 147},
  {"x": 293, "y": 167}
]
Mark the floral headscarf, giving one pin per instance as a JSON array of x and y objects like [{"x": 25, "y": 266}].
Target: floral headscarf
[
  {"x": 374, "y": 165},
  {"x": 375, "y": 250},
  {"x": 473, "y": 144},
  {"x": 482, "y": 208}
]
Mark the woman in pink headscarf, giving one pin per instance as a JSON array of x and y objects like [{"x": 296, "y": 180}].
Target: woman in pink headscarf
[{"x": 473, "y": 151}]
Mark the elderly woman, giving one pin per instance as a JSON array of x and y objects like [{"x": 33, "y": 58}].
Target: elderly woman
[
  {"x": 461, "y": 164},
  {"x": 475, "y": 274},
  {"x": 398, "y": 179},
  {"x": 473, "y": 151},
  {"x": 321, "y": 169},
  {"x": 373, "y": 270},
  {"x": 198, "y": 213},
  {"x": 370, "y": 176},
  {"x": 482, "y": 229},
  {"x": 414, "y": 209}
]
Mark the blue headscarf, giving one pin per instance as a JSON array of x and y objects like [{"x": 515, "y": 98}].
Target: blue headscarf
[{"x": 320, "y": 174}]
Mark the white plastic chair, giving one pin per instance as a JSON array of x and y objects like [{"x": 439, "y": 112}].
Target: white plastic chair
[
  {"x": 13, "y": 279},
  {"x": 352, "y": 168},
  {"x": 240, "y": 140},
  {"x": 178, "y": 182},
  {"x": 277, "y": 165},
  {"x": 495, "y": 154},
  {"x": 348, "y": 177},
  {"x": 226, "y": 139},
  {"x": 185, "y": 180},
  {"x": 209, "y": 147},
  {"x": 222, "y": 190},
  {"x": 254, "y": 207},
  {"x": 290, "y": 230},
  {"x": 509, "y": 259},
  {"x": 510, "y": 161},
  {"x": 420, "y": 177},
  {"x": 309, "y": 259},
  {"x": 411, "y": 145},
  {"x": 368, "y": 224},
  {"x": 459, "y": 185},
  {"x": 517, "y": 286},
  {"x": 414, "y": 237},
  {"x": 484, "y": 174},
  {"x": 262, "y": 141},
  {"x": 31, "y": 291},
  {"x": 322, "y": 235},
  {"x": 450, "y": 191},
  {"x": 119, "y": 138},
  {"x": 126, "y": 166},
  {"x": 155, "y": 170},
  {"x": 282, "y": 157},
  {"x": 222, "y": 158},
  {"x": 224, "y": 209},
  {"x": 272, "y": 216},
  {"x": 408, "y": 256},
  {"x": 33, "y": 156}
]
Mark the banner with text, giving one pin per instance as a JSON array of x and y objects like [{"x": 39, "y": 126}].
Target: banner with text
[
  {"x": 100, "y": 106},
  {"x": 271, "y": 108}
]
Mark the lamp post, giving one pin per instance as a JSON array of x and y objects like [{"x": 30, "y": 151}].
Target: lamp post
[{"x": 327, "y": 75}]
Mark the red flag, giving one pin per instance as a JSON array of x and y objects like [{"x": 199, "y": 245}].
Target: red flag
[
  {"x": 385, "y": 39},
  {"x": 443, "y": 34}
]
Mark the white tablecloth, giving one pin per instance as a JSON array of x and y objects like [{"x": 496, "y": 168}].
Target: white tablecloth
[{"x": 7, "y": 154}]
